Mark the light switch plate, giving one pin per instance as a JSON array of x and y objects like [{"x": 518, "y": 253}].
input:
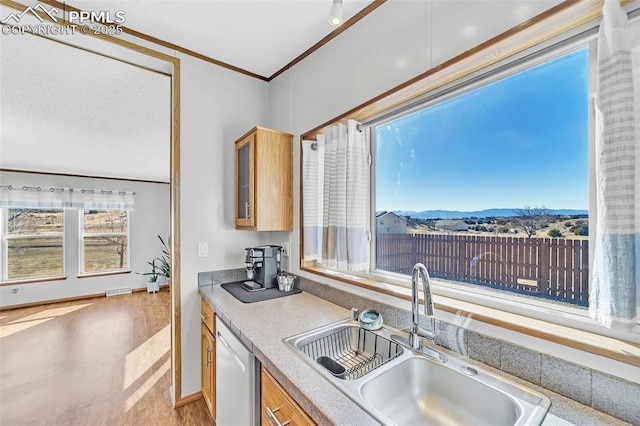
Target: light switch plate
[{"x": 203, "y": 249}]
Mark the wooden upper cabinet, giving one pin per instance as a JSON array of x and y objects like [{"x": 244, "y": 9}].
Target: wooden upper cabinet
[{"x": 264, "y": 181}]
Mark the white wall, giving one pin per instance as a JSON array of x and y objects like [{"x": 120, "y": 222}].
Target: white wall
[
  {"x": 218, "y": 106},
  {"x": 149, "y": 219},
  {"x": 396, "y": 42}
]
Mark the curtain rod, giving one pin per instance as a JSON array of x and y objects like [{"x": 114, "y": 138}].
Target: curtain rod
[
  {"x": 52, "y": 189},
  {"x": 102, "y": 191},
  {"x": 31, "y": 188}
]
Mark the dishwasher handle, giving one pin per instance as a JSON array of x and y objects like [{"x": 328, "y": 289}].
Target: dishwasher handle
[{"x": 232, "y": 353}]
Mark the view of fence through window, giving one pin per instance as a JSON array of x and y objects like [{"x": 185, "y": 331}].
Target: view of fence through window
[
  {"x": 490, "y": 187},
  {"x": 34, "y": 243},
  {"x": 105, "y": 240}
]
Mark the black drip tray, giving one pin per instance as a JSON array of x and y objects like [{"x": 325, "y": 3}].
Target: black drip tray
[{"x": 239, "y": 292}]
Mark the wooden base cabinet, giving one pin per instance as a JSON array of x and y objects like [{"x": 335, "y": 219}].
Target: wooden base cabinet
[
  {"x": 278, "y": 408},
  {"x": 208, "y": 349}
]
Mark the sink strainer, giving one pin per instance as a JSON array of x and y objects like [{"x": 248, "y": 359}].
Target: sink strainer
[{"x": 351, "y": 352}]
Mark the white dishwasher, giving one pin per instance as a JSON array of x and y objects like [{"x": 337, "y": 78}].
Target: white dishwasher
[{"x": 237, "y": 381}]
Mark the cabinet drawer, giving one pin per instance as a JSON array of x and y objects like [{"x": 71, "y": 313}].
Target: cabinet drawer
[
  {"x": 278, "y": 408},
  {"x": 207, "y": 315}
]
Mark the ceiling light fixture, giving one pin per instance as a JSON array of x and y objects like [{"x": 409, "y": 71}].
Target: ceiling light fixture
[{"x": 335, "y": 17}]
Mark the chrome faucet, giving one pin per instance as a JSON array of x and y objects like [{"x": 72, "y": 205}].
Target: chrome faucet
[{"x": 416, "y": 333}]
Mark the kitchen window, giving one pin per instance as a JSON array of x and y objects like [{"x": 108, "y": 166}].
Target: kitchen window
[
  {"x": 550, "y": 296},
  {"x": 33, "y": 243},
  {"x": 494, "y": 182},
  {"x": 105, "y": 241},
  {"x": 493, "y": 174}
]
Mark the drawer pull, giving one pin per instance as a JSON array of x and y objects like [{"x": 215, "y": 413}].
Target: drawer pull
[{"x": 271, "y": 416}]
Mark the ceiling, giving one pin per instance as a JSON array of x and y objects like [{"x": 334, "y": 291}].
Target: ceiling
[
  {"x": 260, "y": 36},
  {"x": 58, "y": 115}
]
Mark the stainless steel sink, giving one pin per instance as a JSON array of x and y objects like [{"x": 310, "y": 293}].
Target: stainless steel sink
[
  {"x": 404, "y": 387},
  {"x": 418, "y": 391}
]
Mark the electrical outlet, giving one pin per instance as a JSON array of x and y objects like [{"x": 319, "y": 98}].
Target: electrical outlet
[
  {"x": 203, "y": 249},
  {"x": 285, "y": 248}
]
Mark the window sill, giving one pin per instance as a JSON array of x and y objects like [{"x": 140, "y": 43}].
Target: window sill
[
  {"x": 33, "y": 280},
  {"x": 103, "y": 274},
  {"x": 609, "y": 347}
]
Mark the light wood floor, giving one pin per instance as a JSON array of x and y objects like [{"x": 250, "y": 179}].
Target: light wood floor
[{"x": 102, "y": 361}]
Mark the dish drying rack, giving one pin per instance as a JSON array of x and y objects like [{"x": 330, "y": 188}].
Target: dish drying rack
[{"x": 357, "y": 350}]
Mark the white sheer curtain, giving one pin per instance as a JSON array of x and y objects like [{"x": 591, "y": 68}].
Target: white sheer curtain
[
  {"x": 313, "y": 190},
  {"x": 615, "y": 289},
  {"x": 335, "y": 184}
]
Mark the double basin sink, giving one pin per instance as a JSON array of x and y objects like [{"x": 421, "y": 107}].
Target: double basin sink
[{"x": 400, "y": 386}]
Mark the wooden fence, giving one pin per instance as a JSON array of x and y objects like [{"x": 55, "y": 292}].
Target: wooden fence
[{"x": 554, "y": 268}]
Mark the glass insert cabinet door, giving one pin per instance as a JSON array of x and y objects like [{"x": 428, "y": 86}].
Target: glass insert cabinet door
[{"x": 245, "y": 152}]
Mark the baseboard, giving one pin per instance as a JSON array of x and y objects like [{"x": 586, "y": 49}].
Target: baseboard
[
  {"x": 51, "y": 301},
  {"x": 135, "y": 290},
  {"x": 68, "y": 299},
  {"x": 188, "y": 399}
]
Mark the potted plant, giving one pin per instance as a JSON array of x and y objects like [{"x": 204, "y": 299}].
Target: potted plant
[
  {"x": 164, "y": 261},
  {"x": 152, "y": 284},
  {"x": 160, "y": 267}
]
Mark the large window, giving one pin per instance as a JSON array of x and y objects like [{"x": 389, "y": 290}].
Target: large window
[
  {"x": 105, "y": 240},
  {"x": 493, "y": 184},
  {"x": 33, "y": 243}
]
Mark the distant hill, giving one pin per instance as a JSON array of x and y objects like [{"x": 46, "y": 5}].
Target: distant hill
[{"x": 453, "y": 214}]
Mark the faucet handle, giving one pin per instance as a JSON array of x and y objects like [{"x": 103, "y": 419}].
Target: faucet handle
[
  {"x": 434, "y": 354},
  {"x": 430, "y": 336},
  {"x": 355, "y": 314},
  {"x": 422, "y": 348}
]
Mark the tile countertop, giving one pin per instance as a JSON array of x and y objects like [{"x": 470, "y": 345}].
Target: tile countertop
[{"x": 262, "y": 326}]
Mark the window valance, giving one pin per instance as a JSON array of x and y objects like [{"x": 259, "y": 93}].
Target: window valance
[
  {"x": 90, "y": 199},
  {"x": 36, "y": 197}
]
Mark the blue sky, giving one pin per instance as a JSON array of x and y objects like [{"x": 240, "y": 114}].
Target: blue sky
[{"x": 521, "y": 141}]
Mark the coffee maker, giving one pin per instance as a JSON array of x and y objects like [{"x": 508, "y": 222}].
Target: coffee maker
[{"x": 262, "y": 264}]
